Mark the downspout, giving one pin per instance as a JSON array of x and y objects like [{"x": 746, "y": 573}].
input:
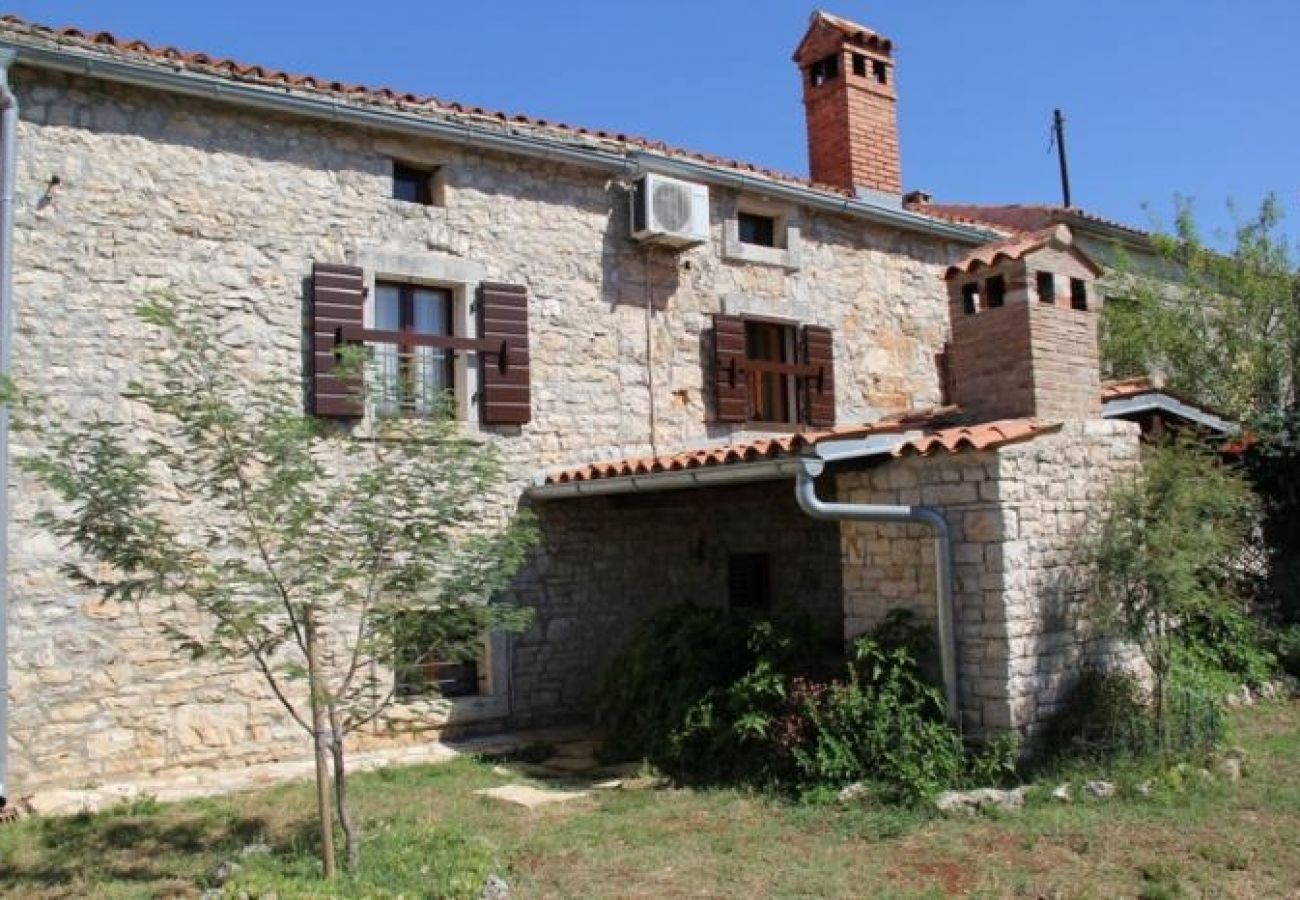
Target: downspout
[
  {"x": 805, "y": 492},
  {"x": 8, "y": 150}
]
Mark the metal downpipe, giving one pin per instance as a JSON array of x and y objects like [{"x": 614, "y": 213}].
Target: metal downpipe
[
  {"x": 8, "y": 150},
  {"x": 805, "y": 491}
]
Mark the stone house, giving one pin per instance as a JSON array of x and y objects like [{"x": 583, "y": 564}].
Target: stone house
[{"x": 678, "y": 356}]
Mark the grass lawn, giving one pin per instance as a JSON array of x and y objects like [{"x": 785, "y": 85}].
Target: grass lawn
[{"x": 428, "y": 835}]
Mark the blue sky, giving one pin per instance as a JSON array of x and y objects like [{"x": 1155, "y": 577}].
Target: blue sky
[{"x": 1163, "y": 97}]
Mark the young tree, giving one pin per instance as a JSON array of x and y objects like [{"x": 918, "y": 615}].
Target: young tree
[
  {"x": 1167, "y": 551},
  {"x": 318, "y": 555},
  {"x": 1230, "y": 338}
]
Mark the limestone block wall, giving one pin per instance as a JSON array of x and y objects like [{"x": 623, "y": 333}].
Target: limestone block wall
[
  {"x": 607, "y": 563},
  {"x": 1016, "y": 514},
  {"x": 122, "y": 191}
]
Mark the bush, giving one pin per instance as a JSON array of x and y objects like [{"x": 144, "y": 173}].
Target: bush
[
  {"x": 723, "y": 698},
  {"x": 1287, "y": 642},
  {"x": 1110, "y": 715},
  {"x": 1229, "y": 641}
]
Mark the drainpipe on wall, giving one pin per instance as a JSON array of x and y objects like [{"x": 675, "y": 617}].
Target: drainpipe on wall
[
  {"x": 805, "y": 491},
  {"x": 8, "y": 150}
]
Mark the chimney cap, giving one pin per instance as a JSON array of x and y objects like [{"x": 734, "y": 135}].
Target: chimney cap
[{"x": 822, "y": 22}]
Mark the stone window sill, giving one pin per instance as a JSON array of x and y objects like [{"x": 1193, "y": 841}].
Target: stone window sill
[{"x": 788, "y": 257}]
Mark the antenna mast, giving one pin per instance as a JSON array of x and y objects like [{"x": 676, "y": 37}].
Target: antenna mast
[{"x": 1058, "y": 130}]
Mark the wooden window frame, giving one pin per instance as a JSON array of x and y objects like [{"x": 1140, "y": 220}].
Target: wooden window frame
[
  {"x": 409, "y": 340},
  {"x": 770, "y": 226},
  {"x": 423, "y": 179},
  {"x": 788, "y": 381}
]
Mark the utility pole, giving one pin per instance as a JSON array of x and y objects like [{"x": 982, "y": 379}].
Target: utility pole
[{"x": 1058, "y": 130}]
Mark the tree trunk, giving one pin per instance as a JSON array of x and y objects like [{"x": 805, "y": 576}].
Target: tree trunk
[
  {"x": 319, "y": 740},
  {"x": 350, "y": 837}
]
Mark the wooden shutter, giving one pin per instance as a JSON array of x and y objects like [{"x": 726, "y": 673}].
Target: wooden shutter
[
  {"x": 338, "y": 298},
  {"x": 503, "y": 319},
  {"x": 730, "y": 388},
  {"x": 819, "y": 387}
]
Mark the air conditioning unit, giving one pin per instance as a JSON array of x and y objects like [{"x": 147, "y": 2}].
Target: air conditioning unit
[{"x": 668, "y": 211}]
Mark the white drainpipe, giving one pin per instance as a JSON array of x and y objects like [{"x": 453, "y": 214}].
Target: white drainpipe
[
  {"x": 8, "y": 150},
  {"x": 805, "y": 492}
]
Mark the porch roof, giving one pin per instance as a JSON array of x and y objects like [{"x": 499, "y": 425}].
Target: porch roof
[{"x": 774, "y": 457}]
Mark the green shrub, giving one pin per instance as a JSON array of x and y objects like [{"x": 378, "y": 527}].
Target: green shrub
[
  {"x": 1110, "y": 715},
  {"x": 1228, "y": 640},
  {"x": 1287, "y": 643},
  {"x": 716, "y": 697}
]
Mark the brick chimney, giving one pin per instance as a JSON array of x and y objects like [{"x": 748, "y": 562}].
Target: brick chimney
[
  {"x": 1024, "y": 329},
  {"x": 850, "y": 107}
]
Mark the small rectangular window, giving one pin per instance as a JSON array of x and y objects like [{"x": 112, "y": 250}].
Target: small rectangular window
[
  {"x": 1046, "y": 287},
  {"x": 995, "y": 291},
  {"x": 757, "y": 229},
  {"x": 859, "y": 65},
  {"x": 880, "y": 71},
  {"x": 970, "y": 298},
  {"x": 824, "y": 70},
  {"x": 749, "y": 581},
  {"x": 1078, "y": 293},
  {"x": 412, "y": 184}
]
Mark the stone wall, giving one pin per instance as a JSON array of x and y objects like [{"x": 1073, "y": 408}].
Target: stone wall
[
  {"x": 607, "y": 563},
  {"x": 122, "y": 191},
  {"x": 1016, "y": 515}
]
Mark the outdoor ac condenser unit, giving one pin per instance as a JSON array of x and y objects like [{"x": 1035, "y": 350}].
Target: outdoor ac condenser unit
[{"x": 671, "y": 212}]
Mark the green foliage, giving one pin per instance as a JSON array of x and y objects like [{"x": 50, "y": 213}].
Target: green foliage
[
  {"x": 712, "y": 696},
  {"x": 1230, "y": 338},
  {"x": 1272, "y": 460},
  {"x": 283, "y": 533},
  {"x": 1166, "y": 554},
  {"x": 676, "y": 666},
  {"x": 1287, "y": 643},
  {"x": 1226, "y": 640}
]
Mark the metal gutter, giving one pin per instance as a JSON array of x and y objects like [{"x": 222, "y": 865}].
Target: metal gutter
[
  {"x": 288, "y": 101},
  {"x": 743, "y": 473},
  {"x": 1129, "y": 406},
  {"x": 8, "y": 150},
  {"x": 806, "y": 494}
]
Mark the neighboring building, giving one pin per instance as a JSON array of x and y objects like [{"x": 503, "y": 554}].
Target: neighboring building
[{"x": 777, "y": 320}]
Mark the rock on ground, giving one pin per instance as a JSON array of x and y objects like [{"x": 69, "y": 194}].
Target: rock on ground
[{"x": 528, "y": 796}]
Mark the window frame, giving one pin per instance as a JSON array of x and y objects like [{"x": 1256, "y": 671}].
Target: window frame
[
  {"x": 787, "y": 334},
  {"x": 423, "y": 177},
  {"x": 406, "y": 352},
  {"x": 785, "y": 251},
  {"x": 1079, "y": 294},
  {"x": 1043, "y": 278},
  {"x": 768, "y": 224}
]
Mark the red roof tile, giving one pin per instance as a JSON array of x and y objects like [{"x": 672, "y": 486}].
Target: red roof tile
[
  {"x": 1017, "y": 246},
  {"x": 1128, "y": 387},
  {"x": 985, "y": 436},
  {"x": 105, "y": 43},
  {"x": 1018, "y": 217}
]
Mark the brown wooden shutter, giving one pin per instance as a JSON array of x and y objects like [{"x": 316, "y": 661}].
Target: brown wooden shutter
[
  {"x": 730, "y": 388},
  {"x": 503, "y": 318},
  {"x": 819, "y": 351},
  {"x": 338, "y": 298}
]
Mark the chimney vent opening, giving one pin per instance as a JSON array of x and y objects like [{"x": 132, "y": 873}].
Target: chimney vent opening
[{"x": 880, "y": 71}]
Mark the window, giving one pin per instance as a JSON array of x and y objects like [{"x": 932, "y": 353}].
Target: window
[
  {"x": 1078, "y": 293},
  {"x": 412, "y": 378},
  {"x": 771, "y": 394},
  {"x": 412, "y": 184},
  {"x": 859, "y": 65},
  {"x": 879, "y": 71},
  {"x": 995, "y": 289},
  {"x": 418, "y": 672},
  {"x": 1046, "y": 287},
  {"x": 754, "y": 228},
  {"x": 824, "y": 70},
  {"x": 749, "y": 581},
  {"x": 970, "y": 298}
]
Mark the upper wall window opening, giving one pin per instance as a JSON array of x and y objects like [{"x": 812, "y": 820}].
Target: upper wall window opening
[
  {"x": 755, "y": 228},
  {"x": 1046, "y": 287},
  {"x": 880, "y": 71},
  {"x": 413, "y": 184},
  {"x": 995, "y": 289},
  {"x": 824, "y": 70},
  {"x": 1078, "y": 294},
  {"x": 970, "y": 298},
  {"x": 413, "y": 379},
  {"x": 749, "y": 581},
  {"x": 859, "y": 65}
]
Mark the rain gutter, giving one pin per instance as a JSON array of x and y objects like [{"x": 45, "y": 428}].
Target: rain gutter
[
  {"x": 472, "y": 134},
  {"x": 806, "y": 494}
]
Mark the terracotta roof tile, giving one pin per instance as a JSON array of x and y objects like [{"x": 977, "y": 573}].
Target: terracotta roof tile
[
  {"x": 952, "y": 439},
  {"x": 1128, "y": 387},
  {"x": 1016, "y": 246},
  {"x": 1018, "y": 217},
  {"x": 107, "y": 44}
]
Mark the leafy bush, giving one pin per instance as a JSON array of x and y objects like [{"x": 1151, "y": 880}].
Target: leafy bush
[
  {"x": 1228, "y": 641},
  {"x": 1287, "y": 642},
  {"x": 717, "y": 697},
  {"x": 1109, "y": 714}
]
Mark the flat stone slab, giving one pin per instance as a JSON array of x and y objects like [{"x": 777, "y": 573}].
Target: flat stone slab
[{"x": 528, "y": 796}]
